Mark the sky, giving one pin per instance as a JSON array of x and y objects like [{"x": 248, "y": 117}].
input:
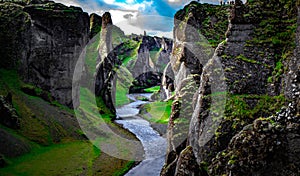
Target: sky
[{"x": 136, "y": 16}]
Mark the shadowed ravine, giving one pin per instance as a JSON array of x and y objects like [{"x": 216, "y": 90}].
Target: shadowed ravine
[{"x": 154, "y": 145}]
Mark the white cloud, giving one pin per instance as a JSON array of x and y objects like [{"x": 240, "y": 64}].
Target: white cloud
[
  {"x": 118, "y": 15},
  {"x": 138, "y": 23},
  {"x": 109, "y": 1},
  {"x": 153, "y": 22},
  {"x": 161, "y": 34},
  {"x": 130, "y": 1},
  {"x": 130, "y": 5}
]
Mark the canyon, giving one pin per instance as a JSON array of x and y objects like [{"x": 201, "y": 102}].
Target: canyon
[{"x": 230, "y": 73}]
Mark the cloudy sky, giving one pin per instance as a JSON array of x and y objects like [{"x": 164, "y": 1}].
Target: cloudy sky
[{"x": 136, "y": 16}]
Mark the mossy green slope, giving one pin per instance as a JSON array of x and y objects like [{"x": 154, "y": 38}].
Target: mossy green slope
[{"x": 56, "y": 141}]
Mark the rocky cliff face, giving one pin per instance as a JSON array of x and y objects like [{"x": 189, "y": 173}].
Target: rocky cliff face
[
  {"x": 197, "y": 28},
  {"x": 144, "y": 63},
  {"x": 48, "y": 40},
  {"x": 191, "y": 52},
  {"x": 233, "y": 128},
  {"x": 107, "y": 61}
]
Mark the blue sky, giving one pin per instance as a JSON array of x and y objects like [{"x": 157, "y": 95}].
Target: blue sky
[{"x": 137, "y": 16}]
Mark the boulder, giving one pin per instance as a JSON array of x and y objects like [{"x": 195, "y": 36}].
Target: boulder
[{"x": 12, "y": 146}]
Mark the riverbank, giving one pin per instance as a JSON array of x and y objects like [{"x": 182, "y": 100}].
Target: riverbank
[{"x": 154, "y": 144}]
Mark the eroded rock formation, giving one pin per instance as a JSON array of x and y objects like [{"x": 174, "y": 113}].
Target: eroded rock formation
[
  {"x": 152, "y": 57},
  {"x": 107, "y": 62}
]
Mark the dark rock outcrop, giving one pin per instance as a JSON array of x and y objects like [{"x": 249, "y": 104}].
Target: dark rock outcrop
[
  {"x": 268, "y": 146},
  {"x": 95, "y": 24},
  {"x": 44, "y": 40},
  {"x": 106, "y": 36},
  {"x": 167, "y": 83},
  {"x": 106, "y": 20},
  {"x": 145, "y": 80},
  {"x": 105, "y": 84},
  {"x": 8, "y": 114},
  {"x": 13, "y": 45},
  {"x": 187, "y": 164},
  {"x": 165, "y": 50}
]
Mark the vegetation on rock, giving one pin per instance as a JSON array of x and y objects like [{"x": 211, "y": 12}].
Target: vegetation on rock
[{"x": 259, "y": 120}]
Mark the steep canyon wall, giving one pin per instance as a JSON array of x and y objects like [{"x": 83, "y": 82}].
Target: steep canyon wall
[
  {"x": 255, "y": 130},
  {"x": 43, "y": 40}
]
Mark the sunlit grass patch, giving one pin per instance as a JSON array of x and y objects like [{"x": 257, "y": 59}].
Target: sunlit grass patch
[
  {"x": 121, "y": 95},
  {"x": 158, "y": 112},
  {"x": 61, "y": 159},
  {"x": 152, "y": 89}
]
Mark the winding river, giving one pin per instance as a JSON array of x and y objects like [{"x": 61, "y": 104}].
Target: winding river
[{"x": 154, "y": 145}]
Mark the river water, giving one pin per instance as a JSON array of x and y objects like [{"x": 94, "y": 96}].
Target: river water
[{"x": 154, "y": 145}]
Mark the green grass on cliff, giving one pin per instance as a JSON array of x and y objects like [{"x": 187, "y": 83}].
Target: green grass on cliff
[
  {"x": 129, "y": 59},
  {"x": 152, "y": 89},
  {"x": 214, "y": 20},
  {"x": 124, "y": 170},
  {"x": 275, "y": 30},
  {"x": 92, "y": 54},
  {"x": 243, "y": 109},
  {"x": 158, "y": 112},
  {"x": 127, "y": 54},
  {"x": 121, "y": 92},
  {"x": 10, "y": 82},
  {"x": 32, "y": 128},
  {"x": 93, "y": 105},
  {"x": 124, "y": 81}
]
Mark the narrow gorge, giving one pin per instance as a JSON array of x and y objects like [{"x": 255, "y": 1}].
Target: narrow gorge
[{"x": 80, "y": 96}]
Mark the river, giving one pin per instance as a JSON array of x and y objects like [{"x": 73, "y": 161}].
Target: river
[{"x": 154, "y": 145}]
